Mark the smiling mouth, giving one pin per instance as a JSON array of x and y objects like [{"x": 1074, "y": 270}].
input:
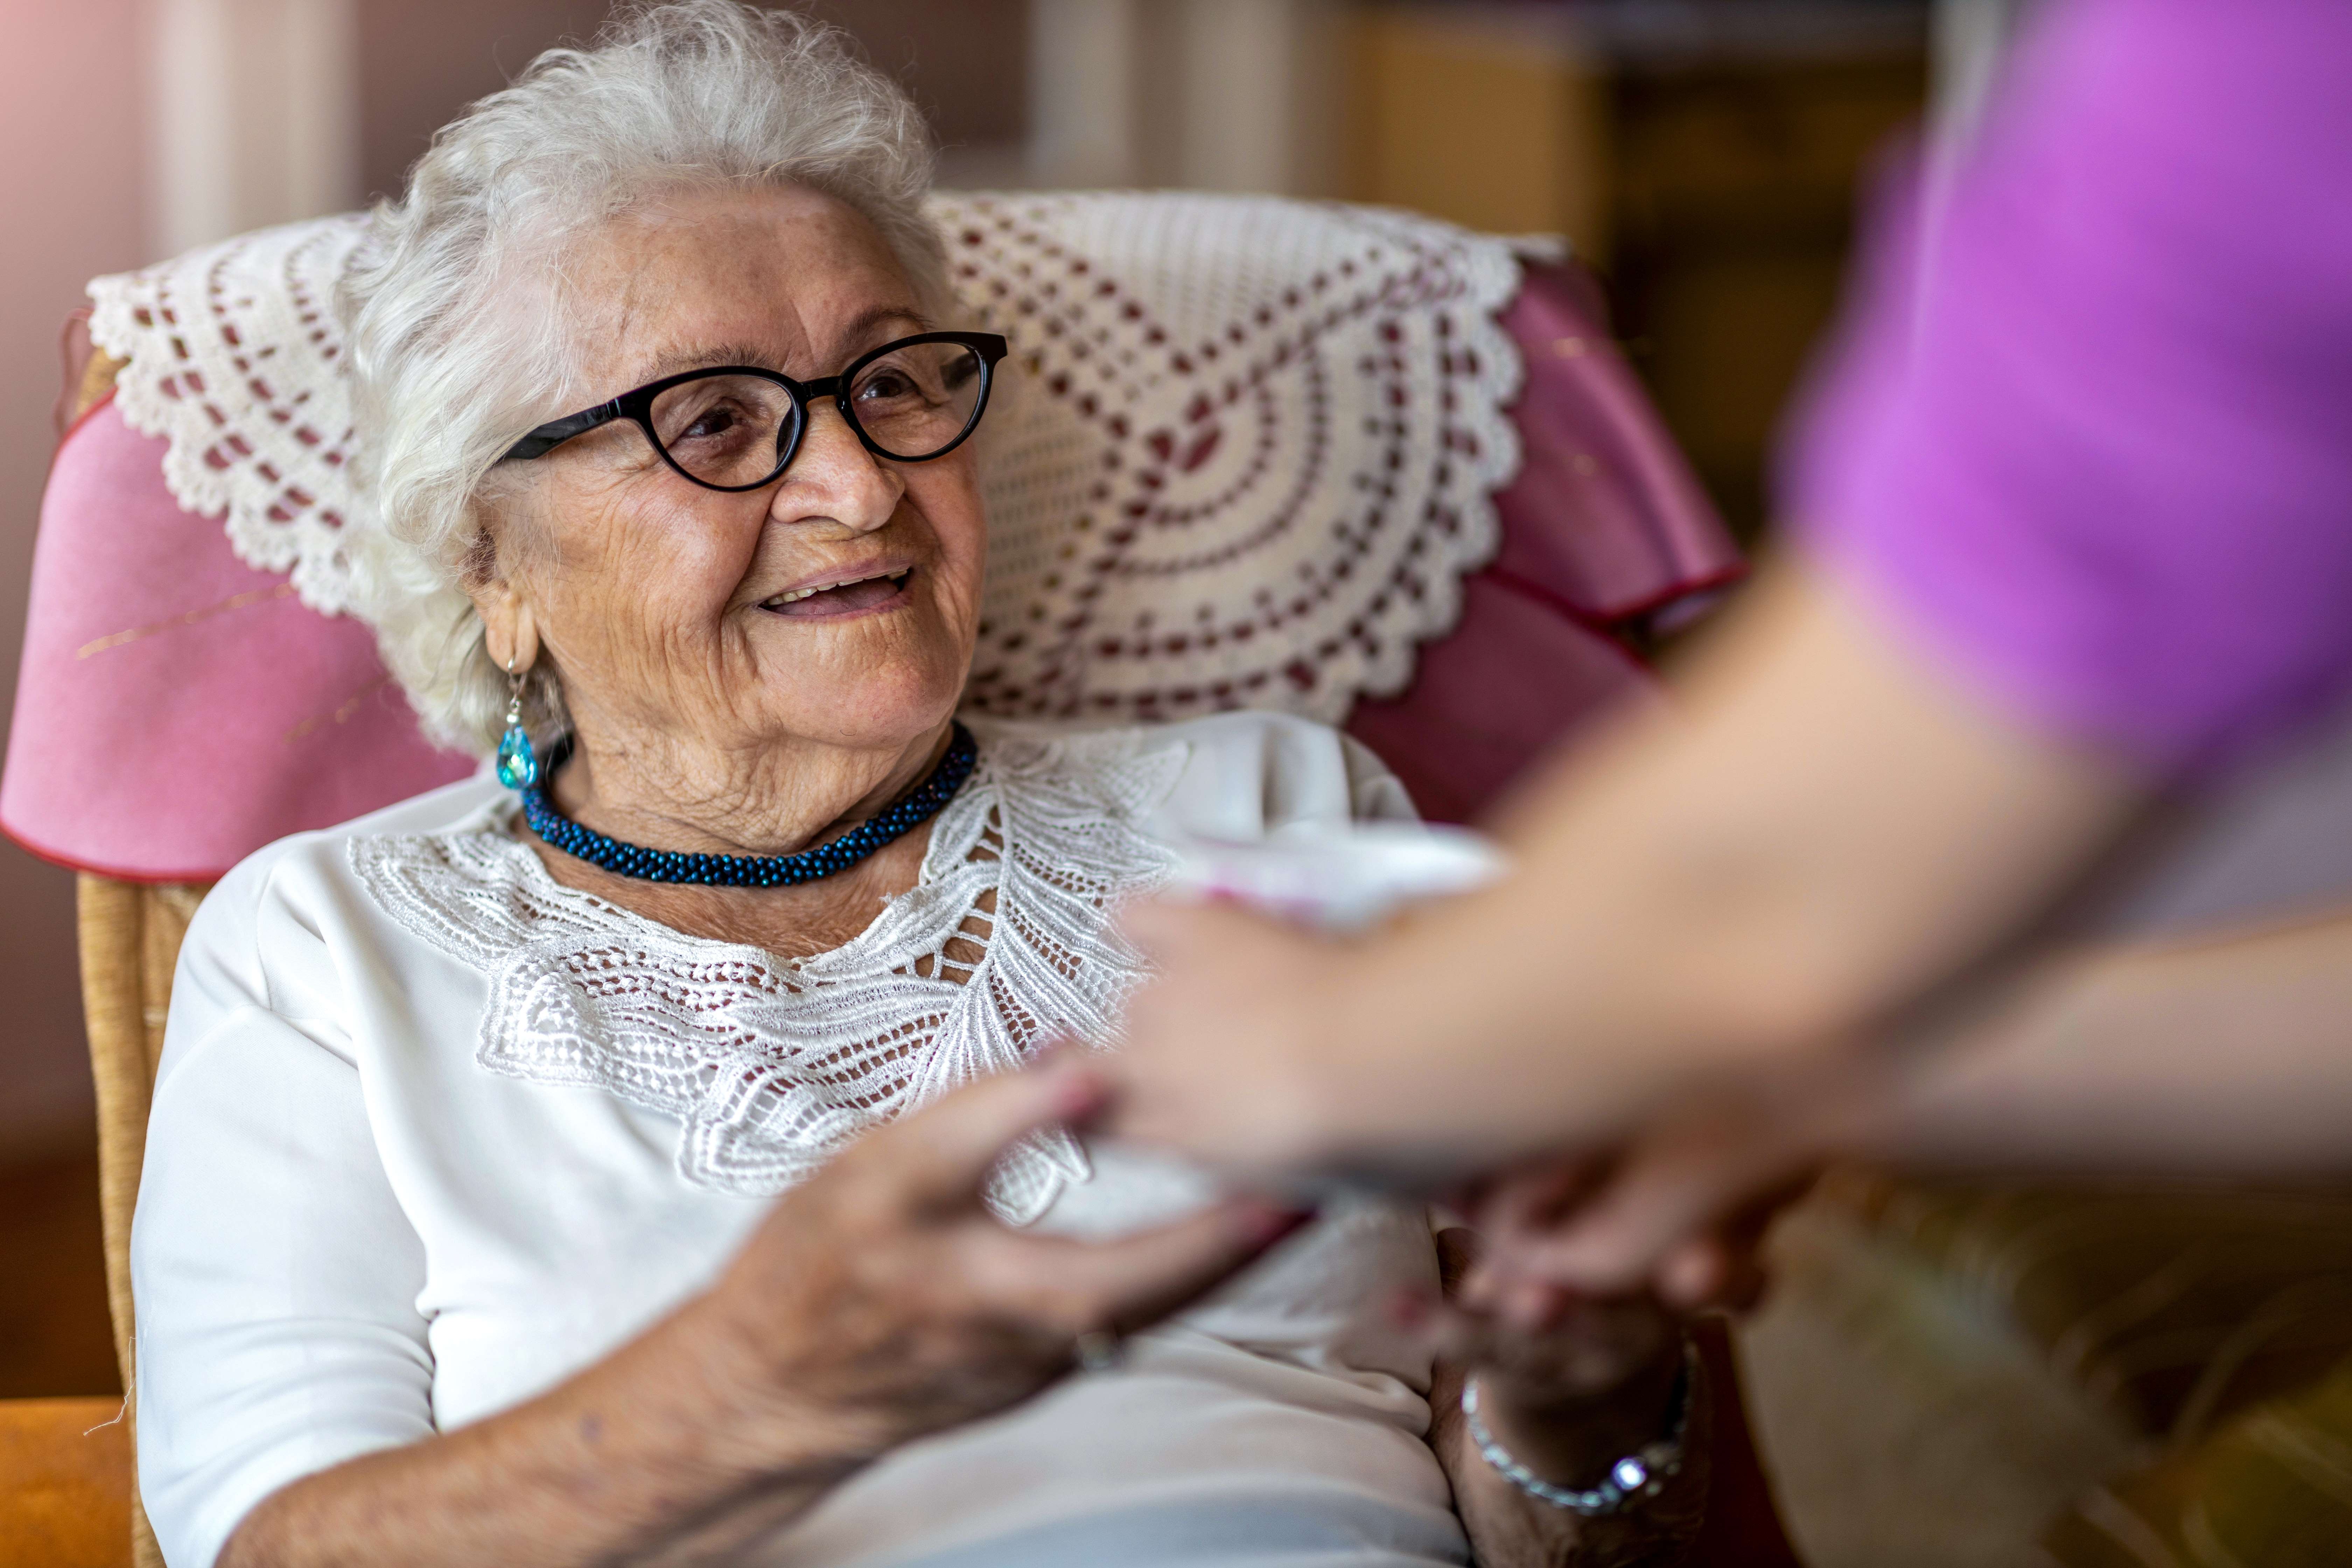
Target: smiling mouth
[{"x": 849, "y": 597}]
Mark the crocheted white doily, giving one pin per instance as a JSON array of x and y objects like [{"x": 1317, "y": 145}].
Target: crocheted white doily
[
  {"x": 1246, "y": 454},
  {"x": 235, "y": 356},
  {"x": 772, "y": 1067}
]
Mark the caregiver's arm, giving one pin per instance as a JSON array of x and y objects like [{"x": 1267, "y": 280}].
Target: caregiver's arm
[
  {"x": 2219, "y": 1056},
  {"x": 2084, "y": 440},
  {"x": 1825, "y": 828},
  {"x": 2226, "y": 1056},
  {"x": 877, "y": 1303}
]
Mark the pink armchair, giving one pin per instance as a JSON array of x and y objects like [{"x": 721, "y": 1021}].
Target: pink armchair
[{"x": 182, "y": 704}]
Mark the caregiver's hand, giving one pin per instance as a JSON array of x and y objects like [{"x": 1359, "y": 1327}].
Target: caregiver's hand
[
  {"x": 1680, "y": 1209},
  {"x": 2101, "y": 1058},
  {"x": 1237, "y": 1002},
  {"x": 1826, "y": 828},
  {"x": 877, "y": 1302}
]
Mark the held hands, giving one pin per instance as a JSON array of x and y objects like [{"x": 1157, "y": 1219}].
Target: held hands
[
  {"x": 881, "y": 1301},
  {"x": 1681, "y": 1208},
  {"x": 877, "y": 1303},
  {"x": 1579, "y": 1385},
  {"x": 1567, "y": 1398}
]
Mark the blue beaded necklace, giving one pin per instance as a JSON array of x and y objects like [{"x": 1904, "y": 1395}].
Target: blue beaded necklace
[{"x": 911, "y": 810}]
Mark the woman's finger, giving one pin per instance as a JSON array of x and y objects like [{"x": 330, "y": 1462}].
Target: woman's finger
[
  {"x": 944, "y": 1151},
  {"x": 1458, "y": 1254},
  {"x": 1588, "y": 1348},
  {"x": 1696, "y": 1273},
  {"x": 1136, "y": 1280},
  {"x": 1718, "y": 1272},
  {"x": 1617, "y": 1242},
  {"x": 1537, "y": 1196},
  {"x": 1528, "y": 1201},
  {"x": 1441, "y": 1328},
  {"x": 1731, "y": 1275},
  {"x": 1681, "y": 1183}
]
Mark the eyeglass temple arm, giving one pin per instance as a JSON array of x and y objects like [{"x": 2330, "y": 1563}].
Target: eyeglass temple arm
[{"x": 555, "y": 432}]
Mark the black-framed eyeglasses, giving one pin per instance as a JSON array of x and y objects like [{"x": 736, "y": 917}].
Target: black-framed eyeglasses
[{"x": 737, "y": 427}]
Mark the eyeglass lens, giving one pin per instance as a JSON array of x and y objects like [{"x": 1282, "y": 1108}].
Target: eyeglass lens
[
  {"x": 912, "y": 403},
  {"x": 726, "y": 429}
]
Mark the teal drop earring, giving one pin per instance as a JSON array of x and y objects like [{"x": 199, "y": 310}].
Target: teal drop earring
[{"x": 517, "y": 764}]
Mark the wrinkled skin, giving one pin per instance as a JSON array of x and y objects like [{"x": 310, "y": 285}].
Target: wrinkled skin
[
  {"x": 885, "y": 1289},
  {"x": 708, "y": 716},
  {"x": 879, "y": 1301}
]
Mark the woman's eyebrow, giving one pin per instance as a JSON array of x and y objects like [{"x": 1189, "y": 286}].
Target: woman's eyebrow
[
  {"x": 862, "y": 326},
  {"x": 669, "y": 361},
  {"x": 861, "y": 332}
]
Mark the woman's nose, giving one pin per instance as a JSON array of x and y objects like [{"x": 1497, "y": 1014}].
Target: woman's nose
[{"x": 834, "y": 478}]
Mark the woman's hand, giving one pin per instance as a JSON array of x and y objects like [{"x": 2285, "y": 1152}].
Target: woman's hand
[
  {"x": 1680, "y": 1208},
  {"x": 1595, "y": 1380},
  {"x": 877, "y": 1303},
  {"x": 882, "y": 1301}
]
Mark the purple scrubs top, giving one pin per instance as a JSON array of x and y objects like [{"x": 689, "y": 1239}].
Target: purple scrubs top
[{"x": 2086, "y": 438}]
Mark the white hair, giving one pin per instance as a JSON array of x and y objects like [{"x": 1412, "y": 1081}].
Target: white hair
[{"x": 448, "y": 370}]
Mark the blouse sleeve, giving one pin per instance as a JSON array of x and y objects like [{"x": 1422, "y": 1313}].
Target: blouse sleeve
[{"x": 275, "y": 1275}]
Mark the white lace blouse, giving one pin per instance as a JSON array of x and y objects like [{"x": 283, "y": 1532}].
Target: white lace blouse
[{"x": 433, "y": 1132}]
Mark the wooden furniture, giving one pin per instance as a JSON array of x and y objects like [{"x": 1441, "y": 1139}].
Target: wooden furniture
[
  {"x": 70, "y": 1499},
  {"x": 130, "y": 938},
  {"x": 1706, "y": 162},
  {"x": 68, "y": 1488}
]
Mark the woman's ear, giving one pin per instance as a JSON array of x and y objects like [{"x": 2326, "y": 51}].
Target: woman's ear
[{"x": 509, "y": 632}]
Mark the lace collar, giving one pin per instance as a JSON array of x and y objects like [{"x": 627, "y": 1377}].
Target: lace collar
[{"x": 770, "y": 1064}]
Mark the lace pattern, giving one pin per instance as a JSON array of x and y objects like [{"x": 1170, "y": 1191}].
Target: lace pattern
[
  {"x": 235, "y": 358},
  {"x": 1244, "y": 453},
  {"x": 771, "y": 1066},
  {"x": 1249, "y": 453}
]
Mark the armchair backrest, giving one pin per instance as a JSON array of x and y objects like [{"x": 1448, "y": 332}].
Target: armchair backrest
[{"x": 1346, "y": 462}]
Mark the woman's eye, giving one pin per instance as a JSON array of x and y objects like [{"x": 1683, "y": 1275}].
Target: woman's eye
[
  {"x": 885, "y": 384},
  {"x": 710, "y": 425}
]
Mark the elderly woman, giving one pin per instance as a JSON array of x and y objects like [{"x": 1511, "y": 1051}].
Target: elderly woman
[{"x": 460, "y": 1239}]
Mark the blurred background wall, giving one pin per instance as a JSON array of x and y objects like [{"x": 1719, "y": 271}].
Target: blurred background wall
[
  {"x": 1702, "y": 155},
  {"x": 76, "y": 187}
]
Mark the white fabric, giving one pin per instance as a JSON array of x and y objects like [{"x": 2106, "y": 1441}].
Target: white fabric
[
  {"x": 351, "y": 1232},
  {"x": 772, "y": 1067},
  {"x": 1244, "y": 451}
]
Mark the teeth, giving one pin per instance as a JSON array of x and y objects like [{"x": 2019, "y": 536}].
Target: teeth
[{"x": 799, "y": 594}]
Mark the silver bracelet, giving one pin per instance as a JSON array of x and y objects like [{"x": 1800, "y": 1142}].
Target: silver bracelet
[{"x": 1639, "y": 1476}]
